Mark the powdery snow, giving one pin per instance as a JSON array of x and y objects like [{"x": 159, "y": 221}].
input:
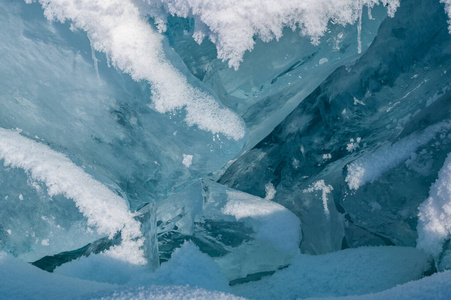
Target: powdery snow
[
  {"x": 348, "y": 272},
  {"x": 434, "y": 225},
  {"x": 233, "y": 24}
]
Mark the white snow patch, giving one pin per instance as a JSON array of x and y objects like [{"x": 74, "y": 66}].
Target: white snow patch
[
  {"x": 104, "y": 210},
  {"x": 353, "y": 145},
  {"x": 327, "y": 156},
  {"x": 434, "y": 225},
  {"x": 320, "y": 186},
  {"x": 270, "y": 191},
  {"x": 271, "y": 221},
  {"x": 187, "y": 160}
]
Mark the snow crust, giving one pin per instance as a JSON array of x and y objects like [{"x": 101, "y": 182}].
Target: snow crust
[
  {"x": 233, "y": 24},
  {"x": 104, "y": 210},
  {"x": 434, "y": 225},
  {"x": 117, "y": 28}
]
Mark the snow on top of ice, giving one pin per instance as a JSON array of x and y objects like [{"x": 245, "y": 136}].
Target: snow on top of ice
[
  {"x": 369, "y": 168},
  {"x": 233, "y": 24},
  {"x": 271, "y": 221},
  {"x": 104, "y": 210},
  {"x": 434, "y": 225},
  {"x": 117, "y": 28}
]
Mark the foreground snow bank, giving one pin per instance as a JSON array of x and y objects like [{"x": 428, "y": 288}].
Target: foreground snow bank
[
  {"x": 348, "y": 272},
  {"x": 23, "y": 281},
  {"x": 435, "y": 287}
]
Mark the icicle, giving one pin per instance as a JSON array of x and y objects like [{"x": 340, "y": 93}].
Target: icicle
[{"x": 359, "y": 28}]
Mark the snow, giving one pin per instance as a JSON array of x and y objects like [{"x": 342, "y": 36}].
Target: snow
[
  {"x": 187, "y": 160},
  {"x": 272, "y": 222},
  {"x": 448, "y": 11},
  {"x": 24, "y": 281},
  {"x": 117, "y": 28},
  {"x": 368, "y": 168},
  {"x": 434, "y": 225},
  {"x": 104, "y": 210},
  {"x": 320, "y": 186},
  {"x": 270, "y": 191},
  {"x": 435, "y": 287},
  {"x": 187, "y": 266},
  {"x": 347, "y": 272},
  {"x": 233, "y": 24}
]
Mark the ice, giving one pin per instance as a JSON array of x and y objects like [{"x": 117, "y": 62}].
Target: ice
[
  {"x": 117, "y": 29},
  {"x": 217, "y": 149},
  {"x": 369, "y": 169},
  {"x": 49, "y": 89},
  {"x": 104, "y": 210},
  {"x": 400, "y": 138},
  {"x": 232, "y": 25},
  {"x": 245, "y": 234}
]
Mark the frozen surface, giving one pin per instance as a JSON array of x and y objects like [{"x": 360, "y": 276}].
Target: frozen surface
[
  {"x": 23, "y": 281},
  {"x": 435, "y": 287},
  {"x": 348, "y": 272}
]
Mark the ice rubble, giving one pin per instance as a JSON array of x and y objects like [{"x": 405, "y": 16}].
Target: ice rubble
[
  {"x": 402, "y": 119},
  {"x": 244, "y": 234},
  {"x": 102, "y": 131}
]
